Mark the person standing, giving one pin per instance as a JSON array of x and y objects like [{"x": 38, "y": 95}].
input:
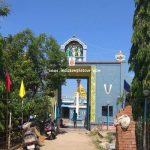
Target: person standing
[{"x": 75, "y": 118}]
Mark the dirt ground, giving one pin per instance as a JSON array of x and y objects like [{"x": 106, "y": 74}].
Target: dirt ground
[{"x": 70, "y": 139}]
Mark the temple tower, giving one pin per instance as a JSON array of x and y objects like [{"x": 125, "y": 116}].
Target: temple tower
[{"x": 75, "y": 48}]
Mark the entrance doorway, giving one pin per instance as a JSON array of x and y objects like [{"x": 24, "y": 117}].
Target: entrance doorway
[
  {"x": 75, "y": 97},
  {"x": 65, "y": 112}
]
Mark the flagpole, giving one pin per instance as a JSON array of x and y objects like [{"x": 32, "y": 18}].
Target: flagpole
[
  {"x": 22, "y": 94},
  {"x": 9, "y": 133},
  {"x": 22, "y": 112},
  {"x": 7, "y": 121},
  {"x": 22, "y": 116},
  {"x": 8, "y": 125},
  {"x": 8, "y": 129}
]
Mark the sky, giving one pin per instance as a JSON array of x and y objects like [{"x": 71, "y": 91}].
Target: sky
[
  {"x": 71, "y": 86},
  {"x": 105, "y": 26}
]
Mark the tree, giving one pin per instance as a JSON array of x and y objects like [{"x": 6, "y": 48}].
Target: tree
[
  {"x": 139, "y": 59},
  {"x": 31, "y": 58},
  {"x": 2, "y": 88},
  {"x": 57, "y": 61},
  {"x": 4, "y": 11},
  {"x": 4, "y": 8}
]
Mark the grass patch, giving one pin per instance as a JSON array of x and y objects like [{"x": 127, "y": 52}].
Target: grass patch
[
  {"x": 110, "y": 137},
  {"x": 93, "y": 133},
  {"x": 97, "y": 144},
  {"x": 102, "y": 142}
]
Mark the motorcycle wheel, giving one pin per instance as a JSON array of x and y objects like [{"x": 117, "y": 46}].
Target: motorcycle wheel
[
  {"x": 37, "y": 147},
  {"x": 50, "y": 137},
  {"x": 53, "y": 135}
]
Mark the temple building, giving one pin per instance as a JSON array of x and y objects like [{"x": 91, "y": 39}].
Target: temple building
[{"x": 105, "y": 84}]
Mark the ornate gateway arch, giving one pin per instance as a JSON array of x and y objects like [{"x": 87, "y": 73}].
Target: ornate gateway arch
[{"x": 105, "y": 82}]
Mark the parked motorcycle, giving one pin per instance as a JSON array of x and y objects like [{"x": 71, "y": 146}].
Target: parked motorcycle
[
  {"x": 30, "y": 141},
  {"x": 50, "y": 129}
]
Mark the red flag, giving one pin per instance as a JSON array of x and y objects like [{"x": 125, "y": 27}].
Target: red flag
[{"x": 8, "y": 82}]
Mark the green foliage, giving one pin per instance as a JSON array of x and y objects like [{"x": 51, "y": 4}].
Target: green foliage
[
  {"x": 110, "y": 136},
  {"x": 139, "y": 59},
  {"x": 139, "y": 133},
  {"x": 97, "y": 144},
  {"x": 41, "y": 108},
  {"x": 106, "y": 137},
  {"x": 31, "y": 58},
  {"x": 55, "y": 63},
  {"x": 4, "y": 8},
  {"x": 2, "y": 115},
  {"x": 120, "y": 99}
]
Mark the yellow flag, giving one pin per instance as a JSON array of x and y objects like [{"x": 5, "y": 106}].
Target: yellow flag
[{"x": 22, "y": 91}]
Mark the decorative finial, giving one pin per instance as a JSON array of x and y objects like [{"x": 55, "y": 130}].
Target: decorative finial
[{"x": 120, "y": 57}]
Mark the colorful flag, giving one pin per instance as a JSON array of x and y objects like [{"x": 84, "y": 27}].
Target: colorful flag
[
  {"x": 8, "y": 82},
  {"x": 22, "y": 91},
  {"x": 126, "y": 91},
  {"x": 126, "y": 86}
]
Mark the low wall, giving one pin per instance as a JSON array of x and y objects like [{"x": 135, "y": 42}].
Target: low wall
[{"x": 125, "y": 138}]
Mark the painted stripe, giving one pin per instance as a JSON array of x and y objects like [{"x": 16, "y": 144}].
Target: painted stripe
[{"x": 93, "y": 92}]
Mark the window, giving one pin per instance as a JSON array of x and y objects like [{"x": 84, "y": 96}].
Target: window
[{"x": 105, "y": 110}]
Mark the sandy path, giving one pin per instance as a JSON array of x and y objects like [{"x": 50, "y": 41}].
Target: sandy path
[{"x": 71, "y": 140}]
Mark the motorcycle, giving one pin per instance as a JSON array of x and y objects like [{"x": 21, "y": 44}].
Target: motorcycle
[
  {"x": 50, "y": 130},
  {"x": 30, "y": 141}
]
